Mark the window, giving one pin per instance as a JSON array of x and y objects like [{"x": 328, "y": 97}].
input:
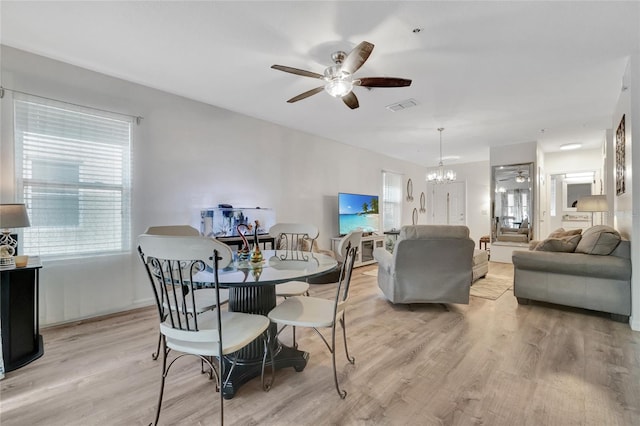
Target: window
[
  {"x": 391, "y": 200},
  {"x": 73, "y": 168}
]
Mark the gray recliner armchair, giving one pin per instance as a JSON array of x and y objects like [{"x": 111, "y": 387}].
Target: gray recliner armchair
[{"x": 429, "y": 264}]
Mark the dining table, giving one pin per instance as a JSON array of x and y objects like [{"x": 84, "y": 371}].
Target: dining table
[{"x": 252, "y": 290}]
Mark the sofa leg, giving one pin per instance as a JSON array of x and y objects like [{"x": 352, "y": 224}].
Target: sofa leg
[
  {"x": 620, "y": 318},
  {"x": 523, "y": 301}
]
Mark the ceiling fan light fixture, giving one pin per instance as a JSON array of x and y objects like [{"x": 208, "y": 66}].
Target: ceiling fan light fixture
[
  {"x": 339, "y": 82},
  {"x": 338, "y": 87},
  {"x": 520, "y": 178},
  {"x": 338, "y": 78}
]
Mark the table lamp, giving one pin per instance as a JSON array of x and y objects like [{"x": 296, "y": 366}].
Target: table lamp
[
  {"x": 592, "y": 203},
  {"x": 12, "y": 216}
]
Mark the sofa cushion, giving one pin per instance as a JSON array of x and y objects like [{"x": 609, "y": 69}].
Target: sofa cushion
[
  {"x": 599, "y": 239},
  {"x": 578, "y": 264},
  {"x": 566, "y": 244},
  {"x": 418, "y": 232},
  {"x": 560, "y": 232}
]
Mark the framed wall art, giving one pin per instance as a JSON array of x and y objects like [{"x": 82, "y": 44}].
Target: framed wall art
[{"x": 620, "y": 158}]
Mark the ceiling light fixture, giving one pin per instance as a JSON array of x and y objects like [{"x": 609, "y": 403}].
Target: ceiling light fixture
[
  {"x": 520, "y": 178},
  {"x": 338, "y": 81},
  {"x": 570, "y": 146},
  {"x": 440, "y": 175}
]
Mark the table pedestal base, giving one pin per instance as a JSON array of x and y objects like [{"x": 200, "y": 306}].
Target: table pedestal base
[
  {"x": 258, "y": 300},
  {"x": 247, "y": 370}
]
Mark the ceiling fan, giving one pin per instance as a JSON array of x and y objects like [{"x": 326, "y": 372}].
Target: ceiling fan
[
  {"x": 338, "y": 78},
  {"x": 519, "y": 177}
]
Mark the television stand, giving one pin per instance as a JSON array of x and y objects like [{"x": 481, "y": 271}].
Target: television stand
[{"x": 365, "y": 251}]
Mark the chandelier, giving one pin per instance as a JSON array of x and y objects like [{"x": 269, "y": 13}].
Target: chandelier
[{"x": 440, "y": 175}]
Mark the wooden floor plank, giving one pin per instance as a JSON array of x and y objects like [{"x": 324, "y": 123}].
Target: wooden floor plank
[{"x": 491, "y": 362}]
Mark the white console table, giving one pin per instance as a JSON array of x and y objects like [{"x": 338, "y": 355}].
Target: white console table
[{"x": 365, "y": 251}]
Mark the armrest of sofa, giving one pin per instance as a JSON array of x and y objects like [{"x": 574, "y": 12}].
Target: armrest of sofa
[
  {"x": 613, "y": 267},
  {"x": 384, "y": 259}
]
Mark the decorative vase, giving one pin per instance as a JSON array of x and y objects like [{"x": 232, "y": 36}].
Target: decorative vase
[
  {"x": 243, "y": 253},
  {"x": 256, "y": 254}
]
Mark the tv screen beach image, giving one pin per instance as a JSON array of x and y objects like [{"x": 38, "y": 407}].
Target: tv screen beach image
[{"x": 358, "y": 211}]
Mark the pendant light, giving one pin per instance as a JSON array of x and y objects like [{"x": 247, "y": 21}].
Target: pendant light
[{"x": 440, "y": 175}]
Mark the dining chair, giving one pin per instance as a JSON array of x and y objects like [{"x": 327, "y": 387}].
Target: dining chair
[
  {"x": 172, "y": 263},
  {"x": 318, "y": 313},
  {"x": 205, "y": 298},
  {"x": 298, "y": 237}
]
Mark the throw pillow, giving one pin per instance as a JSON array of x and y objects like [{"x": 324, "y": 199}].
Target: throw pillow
[
  {"x": 560, "y": 232},
  {"x": 566, "y": 244},
  {"x": 599, "y": 239}
]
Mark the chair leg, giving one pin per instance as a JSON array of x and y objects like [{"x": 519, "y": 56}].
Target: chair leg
[
  {"x": 164, "y": 375},
  {"x": 351, "y": 359},
  {"x": 267, "y": 349},
  {"x": 155, "y": 355},
  {"x": 293, "y": 329},
  {"x": 220, "y": 386},
  {"x": 342, "y": 393}
]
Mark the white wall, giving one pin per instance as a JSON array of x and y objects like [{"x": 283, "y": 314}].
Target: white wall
[
  {"x": 477, "y": 177},
  {"x": 626, "y": 207},
  {"x": 186, "y": 155}
]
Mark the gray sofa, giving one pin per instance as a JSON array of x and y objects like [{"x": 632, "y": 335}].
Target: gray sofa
[
  {"x": 429, "y": 264},
  {"x": 600, "y": 282}
]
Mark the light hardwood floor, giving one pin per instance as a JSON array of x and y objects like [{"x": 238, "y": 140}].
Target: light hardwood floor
[{"x": 486, "y": 363}]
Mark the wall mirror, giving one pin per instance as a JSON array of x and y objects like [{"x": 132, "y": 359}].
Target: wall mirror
[
  {"x": 512, "y": 202},
  {"x": 573, "y": 189}
]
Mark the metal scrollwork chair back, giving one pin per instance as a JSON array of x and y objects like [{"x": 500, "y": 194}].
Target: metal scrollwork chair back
[
  {"x": 318, "y": 313},
  {"x": 172, "y": 264}
]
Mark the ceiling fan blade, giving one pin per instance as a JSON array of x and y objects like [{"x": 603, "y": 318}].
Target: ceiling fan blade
[
  {"x": 357, "y": 57},
  {"x": 382, "y": 82},
  {"x": 297, "y": 71},
  {"x": 351, "y": 100},
  {"x": 306, "y": 94}
]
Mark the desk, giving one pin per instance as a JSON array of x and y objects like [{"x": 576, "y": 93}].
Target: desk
[
  {"x": 484, "y": 240},
  {"x": 237, "y": 241},
  {"x": 394, "y": 234},
  {"x": 21, "y": 339},
  {"x": 252, "y": 290}
]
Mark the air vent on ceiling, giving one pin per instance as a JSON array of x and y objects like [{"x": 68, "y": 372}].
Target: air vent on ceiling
[{"x": 399, "y": 106}]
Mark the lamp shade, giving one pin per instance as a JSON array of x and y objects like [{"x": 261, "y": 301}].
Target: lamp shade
[
  {"x": 592, "y": 203},
  {"x": 13, "y": 216}
]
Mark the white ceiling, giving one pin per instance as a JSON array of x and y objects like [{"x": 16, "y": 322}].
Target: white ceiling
[{"x": 490, "y": 73}]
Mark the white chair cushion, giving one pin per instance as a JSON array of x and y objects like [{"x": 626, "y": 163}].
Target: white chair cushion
[
  {"x": 304, "y": 312},
  {"x": 292, "y": 288},
  {"x": 238, "y": 330}
]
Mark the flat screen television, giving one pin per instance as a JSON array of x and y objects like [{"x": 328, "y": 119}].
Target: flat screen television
[{"x": 358, "y": 211}]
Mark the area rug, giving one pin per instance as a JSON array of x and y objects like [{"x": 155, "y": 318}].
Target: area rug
[
  {"x": 491, "y": 287},
  {"x": 373, "y": 273}
]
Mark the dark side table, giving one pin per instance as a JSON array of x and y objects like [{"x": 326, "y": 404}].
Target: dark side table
[{"x": 21, "y": 339}]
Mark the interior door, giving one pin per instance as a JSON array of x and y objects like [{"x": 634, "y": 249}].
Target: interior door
[{"x": 447, "y": 204}]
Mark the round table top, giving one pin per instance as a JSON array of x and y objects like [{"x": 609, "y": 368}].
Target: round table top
[{"x": 277, "y": 266}]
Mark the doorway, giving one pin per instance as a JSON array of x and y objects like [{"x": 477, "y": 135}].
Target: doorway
[{"x": 447, "y": 204}]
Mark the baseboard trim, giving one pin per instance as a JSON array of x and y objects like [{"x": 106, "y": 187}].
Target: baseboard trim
[
  {"x": 138, "y": 304},
  {"x": 634, "y": 323}
]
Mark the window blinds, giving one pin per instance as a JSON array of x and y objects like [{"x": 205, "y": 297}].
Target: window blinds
[
  {"x": 391, "y": 200},
  {"x": 73, "y": 168}
]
